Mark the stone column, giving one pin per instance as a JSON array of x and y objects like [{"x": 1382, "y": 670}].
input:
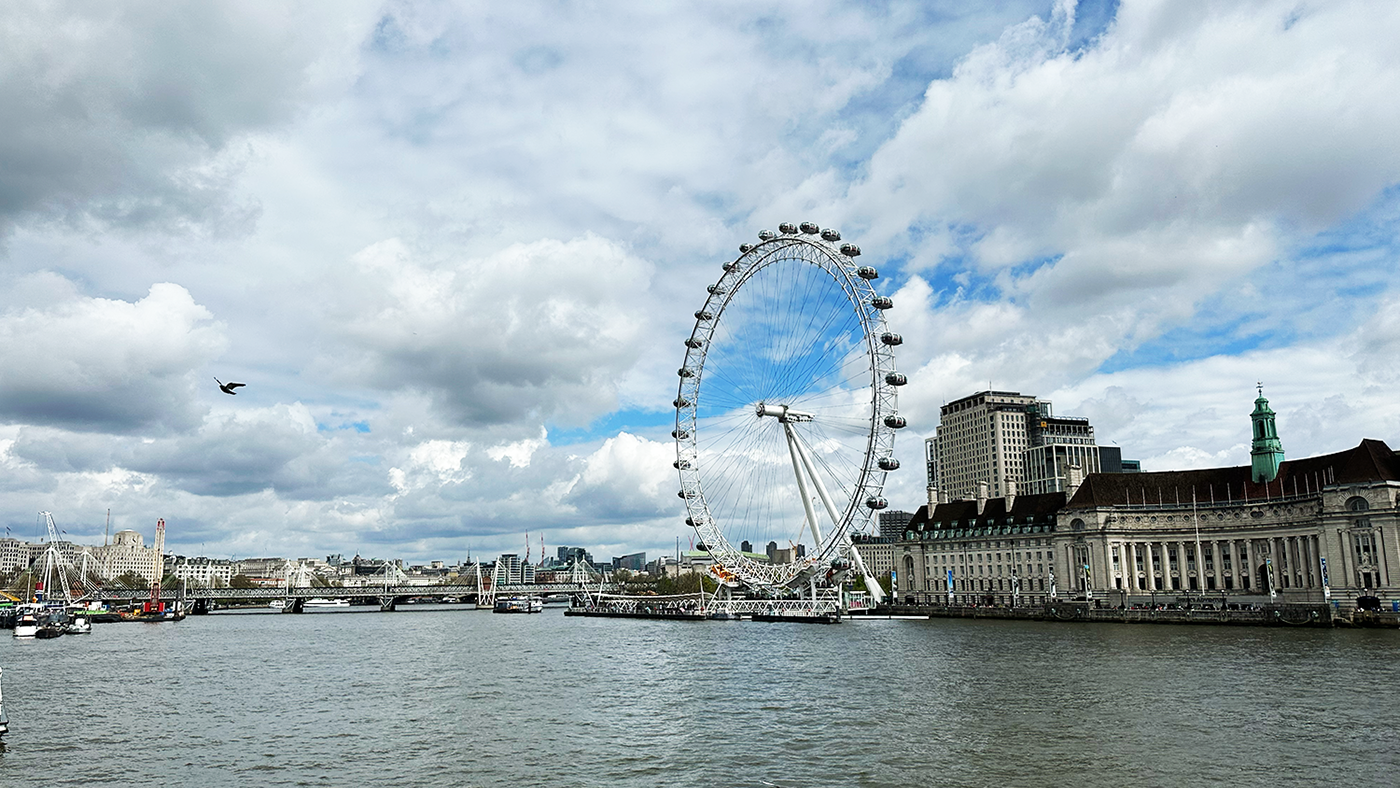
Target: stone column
[
  {"x": 1247, "y": 564},
  {"x": 1305, "y": 558},
  {"x": 1149, "y": 564}
]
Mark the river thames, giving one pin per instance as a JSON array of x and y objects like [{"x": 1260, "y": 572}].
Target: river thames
[{"x": 449, "y": 697}]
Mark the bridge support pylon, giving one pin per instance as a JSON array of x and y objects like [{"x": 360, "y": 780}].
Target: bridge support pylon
[{"x": 387, "y": 604}]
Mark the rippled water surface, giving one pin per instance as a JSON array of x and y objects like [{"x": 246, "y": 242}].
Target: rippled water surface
[{"x": 465, "y": 698}]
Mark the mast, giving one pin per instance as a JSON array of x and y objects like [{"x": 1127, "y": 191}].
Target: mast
[
  {"x": 160, "y": 565},
  {"x": 107, "y": 534}
]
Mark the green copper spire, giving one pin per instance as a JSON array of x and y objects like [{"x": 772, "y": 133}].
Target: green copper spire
[{"x": 1266, "y": 453}]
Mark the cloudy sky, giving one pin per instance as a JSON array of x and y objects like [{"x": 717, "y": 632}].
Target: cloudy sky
[{"x": 453, "y": 249}]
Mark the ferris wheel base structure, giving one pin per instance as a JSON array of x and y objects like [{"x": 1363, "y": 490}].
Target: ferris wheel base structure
[{"x": 785, "y": 418}]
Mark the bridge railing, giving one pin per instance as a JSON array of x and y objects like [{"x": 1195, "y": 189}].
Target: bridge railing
[{"x": 361, "y": 592}]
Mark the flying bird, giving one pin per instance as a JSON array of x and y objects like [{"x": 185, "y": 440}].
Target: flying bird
[{"x": 228, "y": 388}]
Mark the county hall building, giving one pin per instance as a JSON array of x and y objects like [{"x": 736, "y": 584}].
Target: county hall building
[{"x": 1319, "y": 529}]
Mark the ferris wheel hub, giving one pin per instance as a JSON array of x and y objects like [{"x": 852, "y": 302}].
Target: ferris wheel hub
[{"x": 783, "y": 413}]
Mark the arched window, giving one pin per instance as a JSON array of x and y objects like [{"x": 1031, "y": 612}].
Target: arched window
[
  {"x": 1076, "y": 524},
  {"x": 1357, "y": 504}
]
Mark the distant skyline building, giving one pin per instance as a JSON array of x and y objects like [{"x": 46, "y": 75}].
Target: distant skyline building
[
  {"x": 893, "y": 522},
  {"x": 980, "y": 438},
  {"x": 570, "y": 555},
  {"x": 513, "y": 570},
  {"x": 1011, "y": 443},
  {"x": 636, "y": 562},
  {"x": 1057, "y": 444}
]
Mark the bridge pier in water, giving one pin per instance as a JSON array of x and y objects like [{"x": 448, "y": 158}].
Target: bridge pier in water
[{"x": 387, "y": 604}]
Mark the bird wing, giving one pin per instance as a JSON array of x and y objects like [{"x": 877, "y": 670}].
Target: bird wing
[{"x": 236, "y": 385}]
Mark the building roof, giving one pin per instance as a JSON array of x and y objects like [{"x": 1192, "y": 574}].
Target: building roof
[
  {"x": 1369, "y": 462},
  {"x": 1026, "y": 510}
]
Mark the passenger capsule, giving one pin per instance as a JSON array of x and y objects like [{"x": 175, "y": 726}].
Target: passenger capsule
[
  {"x": 891, "y": 339},
  {"x": 894, "y": 378},
  {"x": 729, "y": 266},
  {"x": 703, "y": 315},
  {"x": 895, "y": 422},
  {"x": 787, "y": 228},
  {"x": 867, "y": 272},
  {"x": 876, "y": 502},
  {"x": 889, "y": 464},
  {"x": 690, "y": 521},
  {"x": 809, "y": 228},
  {"x": 850, "y": 250},
  {"x": 881, "y": 302},
  {"x": 680, "y": 434},
  {"x": 840, "y": 564},
  {"x": 766, "y": 235},
  {"x": 694, "y": 343},
  {"x": 682, "y": 402},
  {"x": 745, "y": 248},
  {"x": 681, "y": 465},
  {"x": 687, "y": 372},
  {"x": 830, "y": 235},
  {"x": 716, "y": 290},
  {"x": 685, "y": 494}
]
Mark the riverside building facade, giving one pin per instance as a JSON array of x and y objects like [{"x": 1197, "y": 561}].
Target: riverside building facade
[{"x": 1313, "y": 530}]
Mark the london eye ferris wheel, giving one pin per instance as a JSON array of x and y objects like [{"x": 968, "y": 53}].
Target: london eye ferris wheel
[{"x": 787, "y": 409}]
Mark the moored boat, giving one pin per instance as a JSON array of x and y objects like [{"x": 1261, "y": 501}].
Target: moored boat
[
  {"x": 519, "y": 605},
  {"x": 27, "y": 623},
  {"x": 322, "y": 603}
]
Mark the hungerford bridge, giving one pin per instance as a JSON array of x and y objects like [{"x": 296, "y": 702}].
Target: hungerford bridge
[{"x": 296, "y": 589}]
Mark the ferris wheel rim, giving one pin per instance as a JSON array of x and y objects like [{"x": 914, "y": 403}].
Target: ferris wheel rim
[{"x": 864, "y": 500}]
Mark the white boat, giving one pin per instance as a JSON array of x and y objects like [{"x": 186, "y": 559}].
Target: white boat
[
  {"x": 322, "y": 603},
  {"x": 530, "y": 604},
  {"x": 27, "y": 621},
  {"x": 277, "y": 604},
  {"x": 80, "y": 625}
]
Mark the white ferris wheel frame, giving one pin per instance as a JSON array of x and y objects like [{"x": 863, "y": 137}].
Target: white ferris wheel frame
[{"x": 817, "y": 248}]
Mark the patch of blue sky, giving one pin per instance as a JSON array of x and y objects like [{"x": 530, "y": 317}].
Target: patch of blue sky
[
  {"x": 356, "y": 426},
  {"x": 1375, "y": 226},
  {"x": 1091, "y": 19},
  {"x": 1192, "y": 342},
  {"x": 959, "y": 275},
  {"x": 634, "y": 420},
  {"x": 1324, "y": 286}
]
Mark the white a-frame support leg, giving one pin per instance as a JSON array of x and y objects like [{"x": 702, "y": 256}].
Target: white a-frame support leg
[{"x": 799, "y": 455}]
